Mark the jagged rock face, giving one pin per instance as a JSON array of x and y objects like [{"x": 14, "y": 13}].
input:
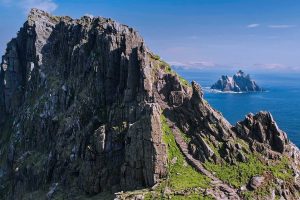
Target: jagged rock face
[
  {"x": 240, "y": 82},
  {"x": 81, "y": 103},
  {"x": 263, "y": 129},
  {"x": 80, "y": 96}
]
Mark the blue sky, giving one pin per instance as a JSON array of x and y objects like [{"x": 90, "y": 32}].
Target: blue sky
[{"x": 250, "y": 34}]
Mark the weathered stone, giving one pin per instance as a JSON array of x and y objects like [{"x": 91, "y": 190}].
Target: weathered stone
[
  {"x": 256, "y": 182},
  {"x": 206, "y": 148},
  {"x": 263, "y": 128},
  {"x": 241, "y": 157},
  {"x": 87, "y": 86},
  {"x": 174, "y": 160},
  {"x": 176, "y": 98},
  {"x": 52, "y": 190}
]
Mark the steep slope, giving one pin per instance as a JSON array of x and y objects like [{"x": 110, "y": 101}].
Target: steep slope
[{"x": 86, "y": 108}]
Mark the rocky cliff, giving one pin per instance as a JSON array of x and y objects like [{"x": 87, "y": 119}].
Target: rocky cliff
[
  {"x": 87, "y": 109},
  {"x": 240, "y": 82}
]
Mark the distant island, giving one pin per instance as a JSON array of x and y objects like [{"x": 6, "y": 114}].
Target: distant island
[{"x": 240, "y": 82}]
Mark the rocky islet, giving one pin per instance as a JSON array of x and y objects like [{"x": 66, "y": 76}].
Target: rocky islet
[{"x": 240, "y": 82}]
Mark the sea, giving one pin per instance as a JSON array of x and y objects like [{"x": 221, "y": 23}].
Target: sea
[{"x": 281, "y": 97}]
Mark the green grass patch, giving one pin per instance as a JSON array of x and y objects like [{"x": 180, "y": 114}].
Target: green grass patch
[
  {"x": 155, "y": 56},
  {"x": 159, "y": 63},
  {"x": 181, "y": 175},
  {"x": 186, "y": 138},
  {"x": 183, "y": 81},
  {"x": 243, "y": 143},
  {"x": 192, "y": 197},
  {"x": 212, "y": 146},
  {"x": 240, "y": 173},
  {"x": 259, "y": 193},
  {"x": 158, "y": 193},
  {"x": 236, "y": 175},
  {"x": 281, "y": 169}
]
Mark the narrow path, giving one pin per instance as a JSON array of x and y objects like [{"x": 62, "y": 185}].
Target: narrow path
[{"x": 220, "y": 190}]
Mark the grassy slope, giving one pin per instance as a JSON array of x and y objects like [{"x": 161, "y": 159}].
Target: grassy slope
[
  {"x": 181, "y": 175},
  {"x": 239, "y": 174},
  {"x": 159, "y": 63}
]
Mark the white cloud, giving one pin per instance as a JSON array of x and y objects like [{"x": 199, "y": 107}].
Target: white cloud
[
  {"x": 281, "y": 26},
  {"x": 26, "y": 5},
  {"x": 89, "y": 15},
  {"x": 192, "y": 64},
  {"x": 276, "y": 67},
  {"x": 253, "y": 25}
]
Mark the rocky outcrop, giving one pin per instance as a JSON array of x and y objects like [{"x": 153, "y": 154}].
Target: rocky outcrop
[
  {"x": 240, "y": 82},
  {"x": 256, "y": 182},
  {"x": 81, "y": 103},
  {"x": 261, "y": 130},
  {"x": 80, "y": 96}
]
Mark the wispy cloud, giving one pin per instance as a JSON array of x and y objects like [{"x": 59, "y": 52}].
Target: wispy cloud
[
  {"x": 270, "y": 66},
  {"x": 281, "y": 26},
  {"x": 253, "y": 25},
  {"x": 89, "y": 15},
  {"x": 26, "y": 5},
  {"x": 193, "y": 64}
]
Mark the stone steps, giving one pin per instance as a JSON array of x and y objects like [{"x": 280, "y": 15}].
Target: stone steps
[{"x": 219, "y": 190}]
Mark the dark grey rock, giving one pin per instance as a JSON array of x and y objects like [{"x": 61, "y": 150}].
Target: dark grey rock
[{"x": 73, "y": 87}]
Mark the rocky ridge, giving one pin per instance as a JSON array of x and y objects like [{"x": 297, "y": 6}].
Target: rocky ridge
[
  {"x": 240, "y": 82},
  {"x": 82, "y": 103}
]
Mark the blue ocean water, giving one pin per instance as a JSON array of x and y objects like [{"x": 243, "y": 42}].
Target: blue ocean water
[{"x": 282, "y": 98}]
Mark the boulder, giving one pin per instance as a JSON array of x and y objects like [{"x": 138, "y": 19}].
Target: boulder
[{"x": 256, "y": 182}]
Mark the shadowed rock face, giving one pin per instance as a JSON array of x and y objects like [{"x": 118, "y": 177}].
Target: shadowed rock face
[
  {"x": 240, "y": 82},
  {"x": 81, "y": 103}
]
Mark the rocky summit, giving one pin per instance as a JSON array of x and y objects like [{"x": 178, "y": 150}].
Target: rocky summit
[
  {"x": 240, "y": 82},
  {"x": 87, "y": 111}
]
